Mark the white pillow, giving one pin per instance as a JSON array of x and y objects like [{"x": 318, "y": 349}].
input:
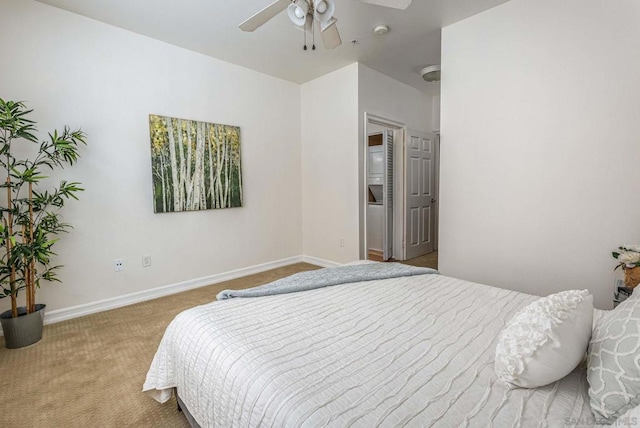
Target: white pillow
[
  {"x": 546, "y": 340},
  {"x": 630, "y": 419}
]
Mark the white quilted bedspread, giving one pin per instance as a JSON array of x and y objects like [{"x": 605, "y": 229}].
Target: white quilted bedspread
[{"x": 415, "y": 352}]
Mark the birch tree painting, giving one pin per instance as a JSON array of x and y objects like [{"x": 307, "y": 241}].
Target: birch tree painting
[{"x": 196, "y": 165}]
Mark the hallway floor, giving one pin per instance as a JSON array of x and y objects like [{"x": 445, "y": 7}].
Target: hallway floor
[{"x": 428, "y": 260}]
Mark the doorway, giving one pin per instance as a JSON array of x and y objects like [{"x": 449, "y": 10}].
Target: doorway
[
  {"x": 419, "y": 194},
  {"x": 400, "y": 193},
  {"x": 380, "y": 192},
  {"x": 383, "y": 181}
]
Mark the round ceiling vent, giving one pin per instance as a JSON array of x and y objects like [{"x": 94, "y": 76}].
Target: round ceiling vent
[{"x": 431, "y": 73}]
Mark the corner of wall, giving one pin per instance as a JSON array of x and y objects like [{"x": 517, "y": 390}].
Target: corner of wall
[
  {"x": 111, "y": 65},
  {"x": 329, "y": 160}
]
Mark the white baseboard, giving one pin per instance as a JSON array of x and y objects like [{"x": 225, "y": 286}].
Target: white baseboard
[
  {"x": 319, "y": 262},
  {"x": 64, "y": 314},
  {"x": 166, "y": 290}
]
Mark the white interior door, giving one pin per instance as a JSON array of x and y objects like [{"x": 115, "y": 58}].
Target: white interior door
[
  {"x": 387, "y": 237},
  {"x": 419, "y": 191}
]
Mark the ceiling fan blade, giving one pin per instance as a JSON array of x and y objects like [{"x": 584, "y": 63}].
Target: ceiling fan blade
[
  {"x": 330, "y": 36},
  {"x": 266, "y": 14},
  {"x": 396, "y": 4}
]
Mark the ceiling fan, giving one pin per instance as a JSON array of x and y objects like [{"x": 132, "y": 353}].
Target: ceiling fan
[{"x": 303, "y": 13}]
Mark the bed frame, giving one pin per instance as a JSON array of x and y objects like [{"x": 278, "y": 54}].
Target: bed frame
[{"x": 185, "y": 411}]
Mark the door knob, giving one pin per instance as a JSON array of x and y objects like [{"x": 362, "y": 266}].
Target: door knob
[{"x": 432, "y": 200}]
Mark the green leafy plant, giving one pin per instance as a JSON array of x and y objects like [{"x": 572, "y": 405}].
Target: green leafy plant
[{"x": 30, "y": 217}]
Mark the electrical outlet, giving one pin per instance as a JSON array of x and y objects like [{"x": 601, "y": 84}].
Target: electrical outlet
[
  {"x": 146, "y": 261},
  {"x": 341, "y": 241},
  {"x": 118, "y": 265}
]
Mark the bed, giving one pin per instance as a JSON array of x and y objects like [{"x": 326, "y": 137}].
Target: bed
[{"x": 402, "y": 352}]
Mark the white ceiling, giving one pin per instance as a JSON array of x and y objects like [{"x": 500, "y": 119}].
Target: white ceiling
[{"x": 211, "y": 28}]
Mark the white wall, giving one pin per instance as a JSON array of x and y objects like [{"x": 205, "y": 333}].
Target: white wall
[
  {"x": 333, "y": 108},
  {"x": 436, "y": 113},
  {"x": 540, "y": 144},
  {"x": 76, "y": 71},
  {"x": 329, "y": 165},
  {"x": 382, "y": 96}
]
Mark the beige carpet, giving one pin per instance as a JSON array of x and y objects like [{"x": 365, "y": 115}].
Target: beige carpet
[{"x": 89, "y": 371}]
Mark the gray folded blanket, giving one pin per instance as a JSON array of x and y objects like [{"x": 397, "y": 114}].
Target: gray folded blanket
[{"x": 327, "y": 277}]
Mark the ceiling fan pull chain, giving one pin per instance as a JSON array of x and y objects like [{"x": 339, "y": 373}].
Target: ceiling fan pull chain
[
  {"x": 305, "y": 40},
  {"x": 313, "y": 35}
]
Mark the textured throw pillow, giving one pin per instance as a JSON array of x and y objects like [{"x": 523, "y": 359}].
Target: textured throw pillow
[
  {"x": 630, "y": 419},
  {"x": 613, "y": 364},
  {"x": 546, "y": 340}
]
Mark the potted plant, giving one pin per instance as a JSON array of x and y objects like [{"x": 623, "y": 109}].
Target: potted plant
[
  {"x": 29, "y": 216},
  {"x": 628, "y": 257}
]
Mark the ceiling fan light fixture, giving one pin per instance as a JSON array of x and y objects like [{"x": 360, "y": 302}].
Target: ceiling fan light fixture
[
  {"x": 323, "y": 10},
  {"x": 298, "y": 12},
  {"x": 321, "y": 6},
  {"x": 431, "y": 73}
]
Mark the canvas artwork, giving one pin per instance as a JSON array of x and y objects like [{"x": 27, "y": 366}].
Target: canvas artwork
[{"x": 196, "y": 165}]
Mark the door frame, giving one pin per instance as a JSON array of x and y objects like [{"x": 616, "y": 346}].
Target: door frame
[
  {"x": 364, "y": 202},
  {"x": 436, "y": 211}
]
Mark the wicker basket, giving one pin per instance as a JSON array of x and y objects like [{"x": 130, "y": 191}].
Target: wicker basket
[{"x": 632, "y": 276}]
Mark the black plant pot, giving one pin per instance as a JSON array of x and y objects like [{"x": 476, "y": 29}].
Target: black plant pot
[{"x": 24, "y": 330}]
